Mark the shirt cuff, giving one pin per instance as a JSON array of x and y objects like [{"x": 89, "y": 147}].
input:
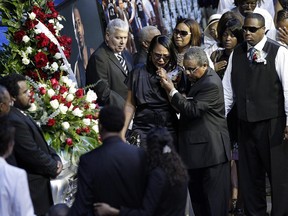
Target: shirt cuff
[{"x": 172, "y": 92}]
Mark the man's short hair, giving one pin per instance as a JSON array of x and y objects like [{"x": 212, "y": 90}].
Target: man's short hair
[
  {"x": 144, "y": 33},
  {"x": 7, "y": 132},
  {"x": 11, "y": 83},
  {"x": 112, "y": 118},
  {"x": 117, "y": 24},
  {"x": 197, "y": 54},
  {"x": 257, "y": 16}
]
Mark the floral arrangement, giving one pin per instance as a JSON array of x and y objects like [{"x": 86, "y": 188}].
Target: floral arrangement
[
  {"x": 36, "y": 47},
  {"x": 68, "y": 117},
  {"x": 259, "y": 57},
  {"x": 67, "y": 114}
]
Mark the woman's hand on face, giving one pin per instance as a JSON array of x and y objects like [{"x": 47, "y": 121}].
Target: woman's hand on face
[
  {"x": 283, "y": 35},
  {"x": 162, "y": 73}
]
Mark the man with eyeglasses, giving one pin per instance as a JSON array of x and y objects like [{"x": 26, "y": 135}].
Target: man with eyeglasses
[
  {"x": 204, "y": 143},
  {"x": 244, "y": 7},
  {"x": 256, "y": 79}
]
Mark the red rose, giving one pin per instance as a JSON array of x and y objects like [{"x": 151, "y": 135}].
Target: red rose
[
  {"x": 50, "y": 4},
  {"x": 86, "y": 130},
  {"x": 43, "y": 40},
  {"x": 53, "y": 49},
  {"x": 39, "y": 14},
  {"x": 63, "y": 89},
  {"x": 18, "y": 36},
  {"x": 41, "y": 60},
  {"x": 42, "y": 90},
  {"x": 89, "y": 116},
  {"x": 86, "y": 106},
  {"x": 78, "y": 131},
  {"x": 55, "y": 97},
  {"x": 50, "y": 26},
  {"x": 51, "y": 122},
  {"x": 30, "y": 24},
  {"x": 68, "y": 104},
  {"x": 69, "y": 142},
  {"x": 79, "y": 93}
]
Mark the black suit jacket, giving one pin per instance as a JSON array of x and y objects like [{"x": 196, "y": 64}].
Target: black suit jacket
[
  {"x": 105, "y": 69},
  {"x": 114, "y": 173},
  {"x": 33, "y": 154},
  {"x": 203, "y": 134}
]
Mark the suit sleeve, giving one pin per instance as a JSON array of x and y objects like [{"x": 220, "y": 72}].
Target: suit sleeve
[
  {"x": 84, "y": 196},
  {"x": 30, "y": 153},
  {"x": 196, "y": 107},
  {"x": 97, "y": 73},
  {"x": 156, "y": 185}
]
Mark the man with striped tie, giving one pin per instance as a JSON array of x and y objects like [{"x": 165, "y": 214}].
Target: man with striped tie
[{"x": 110, "y": 64}]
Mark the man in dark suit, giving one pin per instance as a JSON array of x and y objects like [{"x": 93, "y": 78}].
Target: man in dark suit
[
  {"x": 203, "y": 135},
  {"x": 114, "y": 173},
  {"x": 31, "y": 151},
  {"x": 106, "y": 70},
  {"x": 256, "y": 79}
]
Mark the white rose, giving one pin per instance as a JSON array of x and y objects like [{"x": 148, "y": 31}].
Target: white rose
[
  {"x": 92, "y": 106},
  {"x": 51, "y": 21},
  {"x": 38, "y": 31},
  {"x": 47, "y": 67},
  {"x": 25, "y": 61},
  {"x": 65, "y": 125},
  {"x": 32, "y": 15},
  {"x": 86, "y": 121},
  {"x": 63, "y": 137},
  {"x": 64, "y": 79},
  {"x": 65, "y": 94},
  {"x": 63, "y": 68},
  {"x": 54, "y": 103},
  {"x": 50, "y": 92},
  {"x": 63, "y": 109},
  {"x": 71, "y": 107},
  {"x": 70, "y": 97},
  {"x": 54, "y": 66},
  {"x": 77, "y": 112},
  {"x": 59, "y": 18},
  {"x": 32, "y": 108},
  {"x": 72, "y": 89},
  {"x": 59, "y": 26},
  {"x": 57, "y": 55},
  {"x": 29, "y": 50},
  {"x": 96, "y": 128},
  {"x": 42, "y": 85},
  {"x": 91, "y": 96},
  {"x": 25, "y": 39}
]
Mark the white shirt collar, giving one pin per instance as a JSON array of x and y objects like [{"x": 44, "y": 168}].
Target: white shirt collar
[{"x": 259, "y": 46}]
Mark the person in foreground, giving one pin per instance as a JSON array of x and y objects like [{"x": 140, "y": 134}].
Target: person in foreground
[
  {"x": 166, "y": 190},
  {"x": 15, "y": 196},
  {"x": 256, "y": 80},
  {"x": 114, "y": 173},
  {"x": 31, "y": 151},
  {"x": 203, "y": 134}
]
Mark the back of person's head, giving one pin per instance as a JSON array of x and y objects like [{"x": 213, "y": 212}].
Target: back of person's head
[
  {"x": 197, "y": 54},
  {"x": 147, "y": 33},
  {"x": 161, "y": 153},
  {"x": 195, "y": 30},
  {"x": 282, "y": 15},
  {"x": 111, "y": 118},
  {"x": 5, "y": 101},
  {"x": 117, "y": 24},
  {"x": 7, "y": 132},
  {"x": 166, "y": 42},
  {"x": 11, "y": 83},
  {"x": 60, "y": 209}
]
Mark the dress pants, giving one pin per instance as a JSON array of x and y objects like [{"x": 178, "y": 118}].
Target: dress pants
[
  {"x": 210, "y": 190},
  {"x": 262, "y": 150}
]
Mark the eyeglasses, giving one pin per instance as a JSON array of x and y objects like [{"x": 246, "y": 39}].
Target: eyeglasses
[
  {"x": 158, "y": 56},
  {"x": 251, "y": 29},
  {"x": 181, "y": 33},
  {"x": 191, "y": 70}
]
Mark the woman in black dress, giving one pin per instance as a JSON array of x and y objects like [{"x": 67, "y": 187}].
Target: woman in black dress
[{"x": 147, "y": 101}]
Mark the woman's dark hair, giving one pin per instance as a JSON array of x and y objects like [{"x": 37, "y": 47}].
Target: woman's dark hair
[
  {"x": 167, "y": 43},
  {"x": 159, "y": 140},
  {"x": 234, "y": 25},
  {"x": 284, "y": 4},
  {"x": 195, "y": 30},
  {"x": 282, "y": 15},
  {"x": 7, "y": 132}
]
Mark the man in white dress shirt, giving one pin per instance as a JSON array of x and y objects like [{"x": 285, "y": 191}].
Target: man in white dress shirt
[
  {"x": 14, "y": 194},
  {"x": 256, "y": 79}
]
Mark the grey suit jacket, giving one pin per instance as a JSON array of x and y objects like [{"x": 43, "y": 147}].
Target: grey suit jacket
[
  {"x": 203, "y": 134},
  {"x": 105, "y": 70}
]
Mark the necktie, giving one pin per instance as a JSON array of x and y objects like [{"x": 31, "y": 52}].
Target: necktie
[
  {"x": 251, "y": 53},
  {"x": 122, "y": 62}
]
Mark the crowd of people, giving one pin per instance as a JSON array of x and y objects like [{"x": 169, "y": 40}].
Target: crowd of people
[{"x": 210, "y": 121}]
